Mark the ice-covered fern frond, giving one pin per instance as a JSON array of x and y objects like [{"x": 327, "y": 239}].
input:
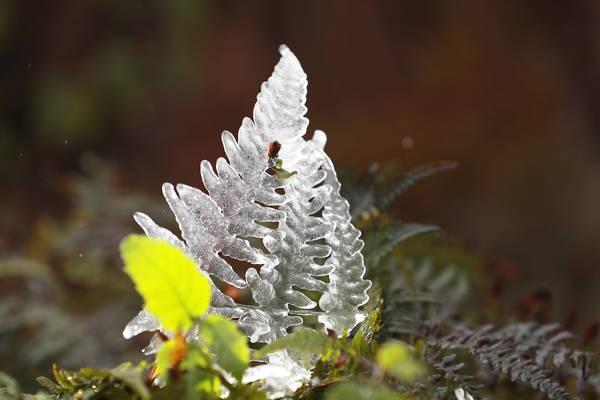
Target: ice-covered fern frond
[
  {"x": 347, "y": 290},
  {"x": 275, "y": 203}
]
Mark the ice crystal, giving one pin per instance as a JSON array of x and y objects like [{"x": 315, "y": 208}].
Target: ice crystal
[
  {"x": 461, "y": 394},
  {"x": 274, "y": 203},
  {"x": 347, "y": 290},
  {"x": 281, "y": 376}
]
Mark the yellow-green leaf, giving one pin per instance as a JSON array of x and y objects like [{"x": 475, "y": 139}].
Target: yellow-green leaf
[
  {"x": 226, "y": 342},
  {"x": 173, "y": 289},
  {"x": 397, "y": 359}
]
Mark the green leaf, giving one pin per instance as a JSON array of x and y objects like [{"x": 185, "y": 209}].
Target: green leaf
[
  {"x": 196, "y": 357},
  {"x": 357, "y": 391},
  {"x": 88, "y": 383},
  {"x": 226, "y": 342},
  {"x": 132, "y": 377},
  {"x": 201, "y": 385},
  {"x": 173, "y": 289},
  {"x": 362, "y": 343},
  {"x": 396, "y": 358},
  {"x": 47, "y": 384},
  {"x": 63, "y": 377}
]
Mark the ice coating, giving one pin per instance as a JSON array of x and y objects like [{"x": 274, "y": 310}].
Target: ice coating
[
  {"x": 274, "y": 288},
  {"x": 280, "y": 377},
  {"x": 301, "y": 219},
  {"x": 347, "y": 288},
  {"x": 143, "y": 322}
]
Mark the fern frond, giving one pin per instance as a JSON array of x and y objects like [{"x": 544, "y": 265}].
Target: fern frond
[
  {"x": 347, "y": 288},
  {"x": 389, "y": 192},
  {"x": 374, "y": 193},
  {"x": 291, "y": 224},
  {"x": 379, "y": 243},
  {"x": 521, "y": 352},
  {"x": 449, "y": 369},
  {"x": 420, "y": 296}
]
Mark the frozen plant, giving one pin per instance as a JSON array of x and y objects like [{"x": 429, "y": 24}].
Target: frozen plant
[{"x": 274, "y": 202}]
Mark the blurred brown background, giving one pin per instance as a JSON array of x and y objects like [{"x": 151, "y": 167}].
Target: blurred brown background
[{"x": 509, "y": 89}]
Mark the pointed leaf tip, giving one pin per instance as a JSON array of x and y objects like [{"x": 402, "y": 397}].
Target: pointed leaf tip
[
  {"x": 320, "y": 139},
  {"x": 283, "y": 49}
]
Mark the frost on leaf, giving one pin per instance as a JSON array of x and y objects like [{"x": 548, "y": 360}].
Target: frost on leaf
[
  {"x": 347, "y": 290},
  {"x": 274, "y": 203},
  {"x": 280, "y": 377}
]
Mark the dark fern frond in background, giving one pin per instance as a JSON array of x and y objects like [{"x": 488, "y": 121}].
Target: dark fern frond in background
[
  {"x": 375, "y": 192},
  {"x": 529, "y": 353}
]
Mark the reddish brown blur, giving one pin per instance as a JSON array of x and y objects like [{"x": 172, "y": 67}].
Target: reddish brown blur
[{"x": 509, "y": 89}]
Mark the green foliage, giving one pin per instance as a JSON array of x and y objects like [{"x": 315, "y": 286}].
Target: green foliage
[
  {"x": 229, "y": 346},
  {"x": 418, "y": 342},
  {"x": 397, "y": 359},
  {"x": 533, "y": 354},
  {"x": 177, "y": 294},
  {"x": 67, "y": 281},
  {"x": 358, "y": 391},
  {"x": 124, "y": 382},
  {"x": 382, "y": 242},
  {"x": 176, "y": 356},
  {"x": 364, "y": 342},
  {"x": 200, "y": 383},
  {"x": 173, "y": 289},
  {"x": 133, "y": 377}
]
